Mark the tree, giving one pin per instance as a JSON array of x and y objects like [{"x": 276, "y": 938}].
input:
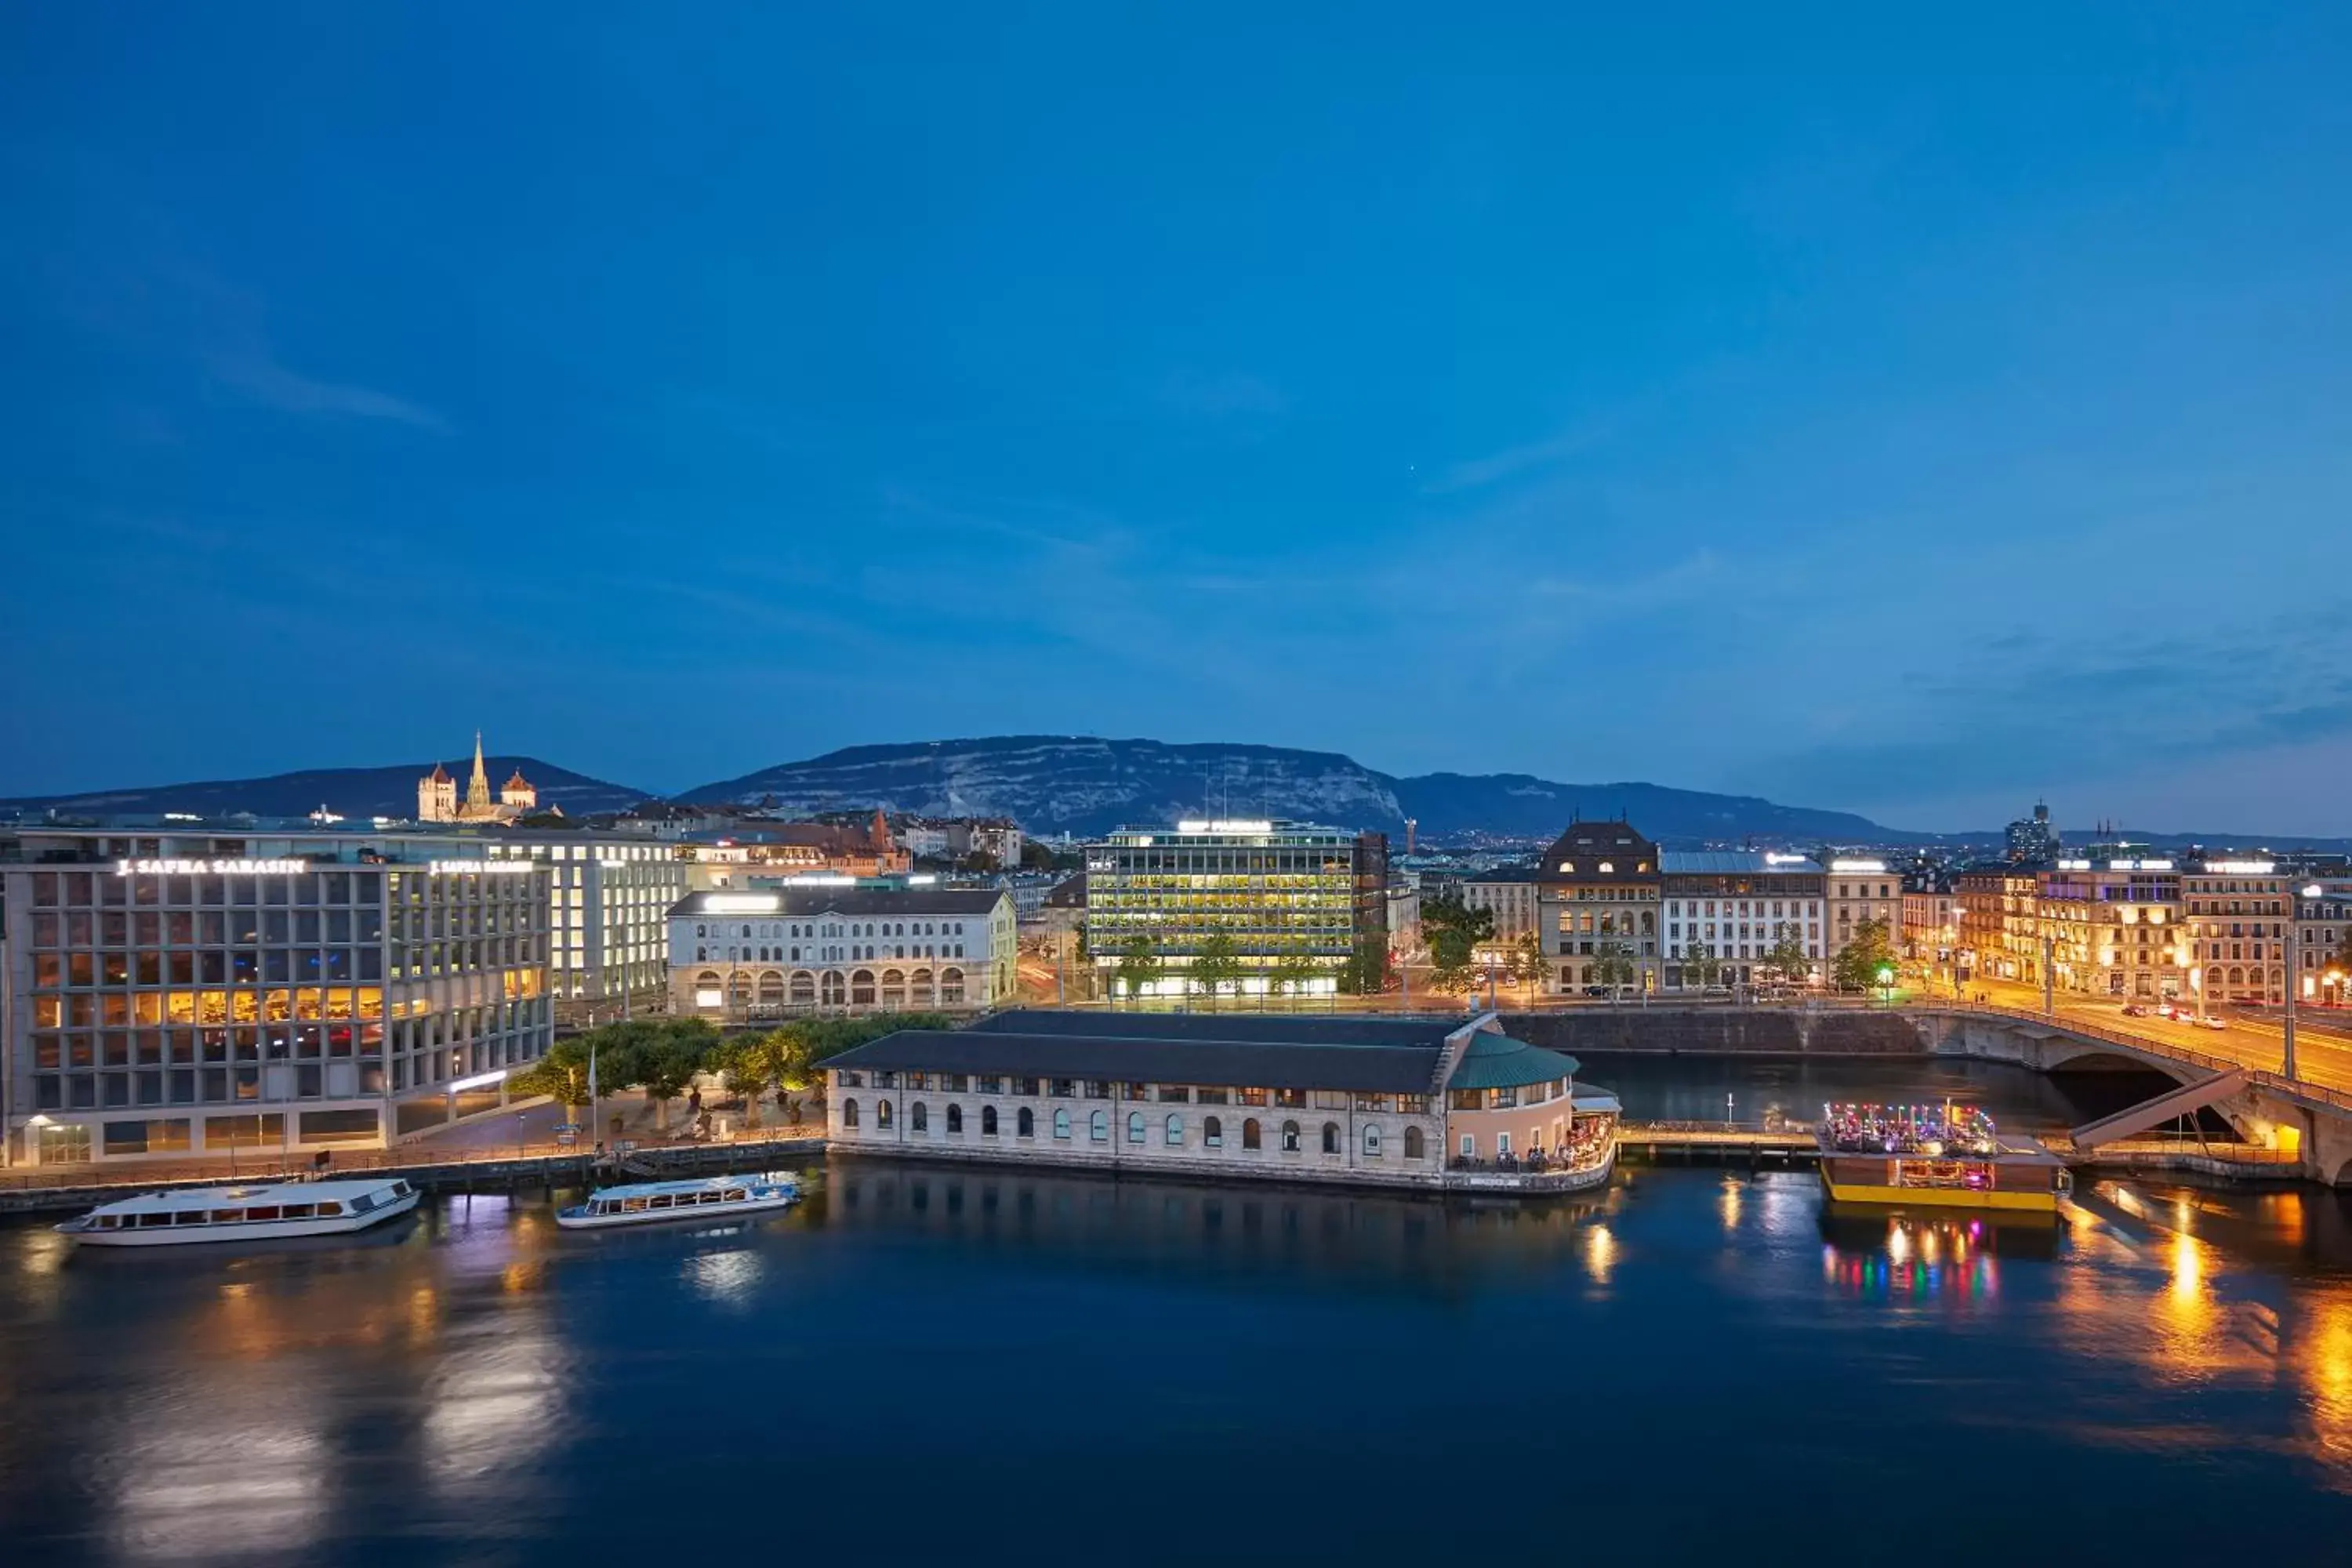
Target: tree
[
  {"x": 1789, "y": 960},
  {"x": 562, "y": 1075},
  {"x": 1218, "y": 965},
  {"x": 1453, "y": 931},
  {"x": 1366, "y": 971},
  {"x": 1866, "y": 952},
  {"x": 1139, "y": 965},
  {"x": 1529, "y": 963},
  {"x": 1613, "y": 964},
  {"x": 752, "y": 1062},
  {"x": 1292, "y": 971},
  {"x": 1702, "y": 966}
]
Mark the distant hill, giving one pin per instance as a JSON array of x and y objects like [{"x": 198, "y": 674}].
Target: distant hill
[
  {"x": 349, "y": 792},
  {"x": 1082, "y": 783}
]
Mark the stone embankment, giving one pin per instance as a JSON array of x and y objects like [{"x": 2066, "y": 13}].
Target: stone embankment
[{"x": 1793, "y": 1031}]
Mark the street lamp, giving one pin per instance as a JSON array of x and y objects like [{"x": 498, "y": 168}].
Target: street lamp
[{"x": 2294, "y": 971}]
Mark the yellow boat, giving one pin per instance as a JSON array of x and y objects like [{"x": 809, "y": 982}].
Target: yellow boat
[{"x": 1959, "y": 1162}]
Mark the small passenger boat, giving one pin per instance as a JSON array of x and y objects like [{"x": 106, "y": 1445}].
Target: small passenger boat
[
  {"x": 262, "y": 1210},
  {"x": 707, "y": 1197}
]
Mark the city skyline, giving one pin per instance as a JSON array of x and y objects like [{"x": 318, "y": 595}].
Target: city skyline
[{"x": 1883, "y": 417}]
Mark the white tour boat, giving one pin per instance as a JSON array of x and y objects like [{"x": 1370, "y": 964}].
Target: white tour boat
[
  {"x": 708, "y": 1197},
  {"x": 262, "y": 1210}
]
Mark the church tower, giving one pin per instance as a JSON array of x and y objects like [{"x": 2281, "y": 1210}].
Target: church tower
[
  {"x": 518, "y": 792},
  {"x": 479, "y": 805},
  {"x": 436, "y": 796}
]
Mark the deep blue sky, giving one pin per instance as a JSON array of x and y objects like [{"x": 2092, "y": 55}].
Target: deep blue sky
[{"x": 1862, "y": 407}]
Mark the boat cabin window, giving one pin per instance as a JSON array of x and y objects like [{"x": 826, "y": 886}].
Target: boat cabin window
[
  {"x": 266, "y": 1211},
  {"x": 190, "y": 1217},
  {"x": 297, "y": 1211},
  {"x": 110, "y": 1222},
  {"x": 228, "y": 1217},
  {"x": 400, "y": 1189},
  {"x": 364, "y": 1201},
  {"x": 329, "y": 1207}
]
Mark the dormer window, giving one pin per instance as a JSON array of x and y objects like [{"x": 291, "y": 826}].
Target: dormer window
[
  {"x": 1568, "y": 865},
  {"x": 1607, "y": 869}
]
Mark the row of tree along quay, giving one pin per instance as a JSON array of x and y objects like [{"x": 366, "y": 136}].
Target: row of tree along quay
[
  {"x": 663, "y": 1057},
  {"x": 1218, "y": 968}
]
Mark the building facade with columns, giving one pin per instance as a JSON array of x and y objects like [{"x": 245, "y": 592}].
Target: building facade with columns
[
  {"x": 796, "y": 949},
  {"x": 2238, "y": 913}
]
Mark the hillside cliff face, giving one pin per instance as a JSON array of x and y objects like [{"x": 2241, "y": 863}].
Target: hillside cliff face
[
  {"x": 1084, "y": 784},
  {"x": 1078, "y": 783}
]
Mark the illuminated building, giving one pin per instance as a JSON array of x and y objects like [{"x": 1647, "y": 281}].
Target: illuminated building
[
  {"x": 2238, "y": 914},
  {"x": 437, "y": 794},
  {"x": 1597, "y": 906},
  {"x": 2115, "y": 927},
  {"x": 190, "y": 993},
  {"x": 828, "y": 945},
  {"x": 1510, "y": 895},
  {"x": 1863, "y": 889},
  {"x": 1293, "y": 900},
  {"x": 747, "y": 851},
  {"x": 609, "y": 897},
  {"x": 2324, "y": 926},
  {"x": 1737, "y": 906},
  {"x": 1997, "y": 923},
  {"x": 1433, "y": 1103},
  {"x": 2033, "y": 840}
]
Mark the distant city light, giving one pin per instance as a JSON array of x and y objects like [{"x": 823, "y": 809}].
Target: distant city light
[{"x": 742, "y": 904}]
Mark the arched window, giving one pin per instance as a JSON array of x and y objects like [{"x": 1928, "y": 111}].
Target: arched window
[
  {"x": 739, "y": 987},
  {"x": 1024, "y": 1125},
  {"x": 1330, "y": 1137},
  {"x": 1250, "y": 1133},
  {"x": 920, "y": 1121},
  {"x": 881, "y": 1113},
  {"x": 955, "y": 1119},
  {"x": 1099, "y": 1127},
  {"x": 1415, "y": 1146},
  {"x": 1061, "y": 1124},
  {"x": 894, "y": 988},
  {"x": 950, "y": 985},
  {"x": 835, "y": 992},
  {"x": 709, "y": 980},
  {"x": 772, "y": 988},
  {"x": 988, "y": 1122},
  {"x": 1135, "y": 1127},
  {"x": 1212, "y": 1133},
  {"x": 849, "y": 1113},
  {"x": 919, "y": 989},
  {"x": 1175, "y": 1132},
  {"x": 1290, "y": 1137},
  {"x": 1372, "y": 1143},
  {"x": 861, "y": 988},
  {"x": 804, "y": 987}
]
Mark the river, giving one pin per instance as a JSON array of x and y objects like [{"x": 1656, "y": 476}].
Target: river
[{"x": 929, "y": 1362}]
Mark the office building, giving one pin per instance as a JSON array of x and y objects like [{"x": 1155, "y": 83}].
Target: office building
[
  {"x": 1293, "y": 902},
  {"x": 2033, "y": 840},
  {"x": 1727, "y": 913},
  {"x": 609, "y": 897},
  {"x": 190, "y": 993}
]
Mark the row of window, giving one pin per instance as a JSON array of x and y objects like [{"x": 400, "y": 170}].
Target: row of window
[
  {"x": 1105, "y": 1089},
  {"x": 1172, "y": 1129},
  {"x": 856, "y": 953}
]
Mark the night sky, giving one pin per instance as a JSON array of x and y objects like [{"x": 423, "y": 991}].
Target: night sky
[{"x": 1862, "y": 407}]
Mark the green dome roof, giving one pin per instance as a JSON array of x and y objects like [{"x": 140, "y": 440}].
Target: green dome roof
[{"x": 1497, "y": 1061}]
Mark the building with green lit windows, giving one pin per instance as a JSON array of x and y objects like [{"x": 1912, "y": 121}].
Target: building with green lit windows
[{"x": 1285, "y": 905}]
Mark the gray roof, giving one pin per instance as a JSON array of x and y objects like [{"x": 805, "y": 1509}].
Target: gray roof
[
  {"x": 1172, "y": 1058},
  {"x": 1250, "y": 1028},
  {"x": 802, "y": 902},
  {"x": 1732, "y": 863},
  {"x": 1497, "y": 1061}
]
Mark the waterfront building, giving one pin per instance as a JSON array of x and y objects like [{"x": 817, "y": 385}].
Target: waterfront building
[
  {"x": 2238, "y": 914},
  {"x": 1597, "y": 906},
  {"x": 1998, "y": 929},
  {"x": 190, "y": 993},
  {"x": 2115, "y": 928},
  {"x": 1389, "y": 1101},
  {"x": 609, "y": 897},
  {"x": 1294, "y": 901},
  {"x": 1931, "y": 919},
  {"x": 2323, "y": 928},
  {"x": 1736, "y": 908},
  {"x": 811, "y": 947},
  {"x": 437, "y": 794},
  {"x": 1863, "y": 887}
]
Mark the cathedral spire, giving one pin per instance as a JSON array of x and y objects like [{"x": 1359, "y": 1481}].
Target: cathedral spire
[{"x": 477, "y": 790}]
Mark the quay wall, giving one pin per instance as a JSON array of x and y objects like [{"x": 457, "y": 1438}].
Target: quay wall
[{"x": 1721, "y": 1031}]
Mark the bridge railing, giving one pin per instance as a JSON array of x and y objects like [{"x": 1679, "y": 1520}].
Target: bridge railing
[{"x": 2260, "y": 1077}]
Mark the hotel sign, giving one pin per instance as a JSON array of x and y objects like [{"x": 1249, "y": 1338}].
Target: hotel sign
[
  {"x": 210, "y": 868},
  {"x": 487, "y": 868}
]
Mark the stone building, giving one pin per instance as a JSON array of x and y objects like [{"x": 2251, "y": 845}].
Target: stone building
[
  {"x": 1736, "y": 907},
  {"x": 1598, "y": 891},
  {"x": 2238, "y": 913},
  {"x": 1385, "y": 1102},
  {"x": 437, "y": 794},
  {"x": 790, "y": 950}
]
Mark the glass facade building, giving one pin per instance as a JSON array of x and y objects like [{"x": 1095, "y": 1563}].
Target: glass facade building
[
  {"x": 1294, "y": 900},
  {"x": 192, "y": 994}
]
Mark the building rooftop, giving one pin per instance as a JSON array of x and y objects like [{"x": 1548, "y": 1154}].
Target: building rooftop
[
  {"x": 763, "y": 902},
  {"x": 1736, "y": 863},
  {"x": 1600, "y": 852},
  {"x": 1168, "y": 1047},
  {"x": 1497, "y": 1061}
]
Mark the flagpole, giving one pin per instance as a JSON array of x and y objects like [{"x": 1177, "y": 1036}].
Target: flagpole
[{"x": 594, "y": 1140}]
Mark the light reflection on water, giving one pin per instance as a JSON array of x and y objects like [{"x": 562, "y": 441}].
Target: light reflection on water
[{"x": 478, "y": 1374}]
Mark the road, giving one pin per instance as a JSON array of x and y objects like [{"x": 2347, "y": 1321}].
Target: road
[{"x": 2323, "y": 1040}]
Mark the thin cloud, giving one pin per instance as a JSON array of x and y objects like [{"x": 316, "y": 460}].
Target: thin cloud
[{"x": 262, "y": 380}]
